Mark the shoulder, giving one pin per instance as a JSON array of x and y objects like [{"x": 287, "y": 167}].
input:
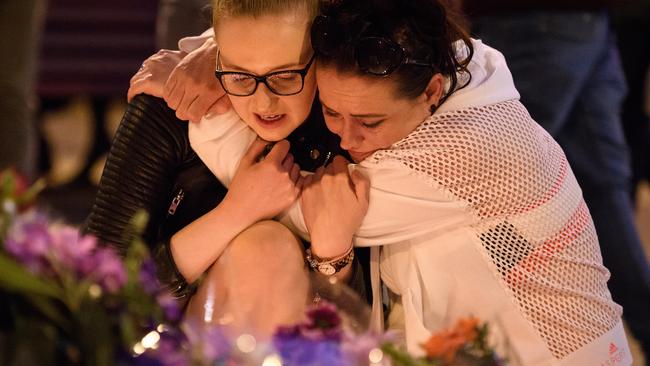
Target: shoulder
[
  {"x": 489, "y": 80},
  {"x": 465, "y": 143},
  {"x": 150, "y": 127},
  {"x": 153, "y": 113}
]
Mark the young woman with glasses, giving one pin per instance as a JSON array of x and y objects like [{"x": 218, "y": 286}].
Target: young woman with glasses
[
  {"x": 196, "y": 226},
  {"x": 473, "y": 208}
]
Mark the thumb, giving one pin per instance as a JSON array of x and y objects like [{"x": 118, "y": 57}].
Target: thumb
[
  {"x": 361, "y": 186},
  {"x": 279, "y": 151},
  {"x": 254, "y": 151},
  {"x": 135, "y": 88}
]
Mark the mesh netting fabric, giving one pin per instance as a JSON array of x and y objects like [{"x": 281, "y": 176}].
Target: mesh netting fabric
[{"x": 536, "y": 231}]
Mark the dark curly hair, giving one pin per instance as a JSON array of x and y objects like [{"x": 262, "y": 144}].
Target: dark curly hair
[{"x": 426, "y": 29}]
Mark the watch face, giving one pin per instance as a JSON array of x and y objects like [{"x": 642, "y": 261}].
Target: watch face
[{"x": 326, "y": 269}]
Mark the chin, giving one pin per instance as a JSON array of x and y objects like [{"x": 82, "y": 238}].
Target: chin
[{"x": 271, "y": 135}]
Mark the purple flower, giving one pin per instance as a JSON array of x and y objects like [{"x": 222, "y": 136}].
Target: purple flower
[
  {"x": 316, "y": 341},
  {"x": 323, "y": 322},
  {"x": 170, "y": 352},
  {"x": 169, "y": 305},
  {"x": 357, "y": 347},
  {"x": 28, "y": 240},
  {"x": 50, "y": 248},
  {"x": 109, "y": 270},
  {"x": 299, "y": 350},
  {"x": 148, "y": 278},
  {"x": 66, "y": 248},
  {"x": 212, "y": 342}
]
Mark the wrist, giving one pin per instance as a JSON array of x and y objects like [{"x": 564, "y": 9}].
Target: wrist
[
  {"x": 330, "y": 247},
  {"x": 238, "y": 211},
  {"x": 330, "y": 266}
]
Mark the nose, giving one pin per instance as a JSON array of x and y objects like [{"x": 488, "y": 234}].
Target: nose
[
  {"x": 264, "y": 98},
  {"x": 350, "y": 135}
]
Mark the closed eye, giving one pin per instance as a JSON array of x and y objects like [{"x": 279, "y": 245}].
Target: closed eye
[
  {"x": 329, "y": 112},
  {"x": 237, "y": 78},
  {"x": 372, "y": 124}
]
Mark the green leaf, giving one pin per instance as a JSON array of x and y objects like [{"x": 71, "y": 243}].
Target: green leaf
[
  {"x": 402, "y": 358},
  {"x": 95, "y": 334},
  {"x": 139, "y": 222},
  {"x": 8, "y": 183},
  {"x": 14, "y": 277},
  {"x": 49, "y": 309},
  {"x": 77, "y": 293},
  {"x": 128, "y": 331},
  {"x": 32, "y": 192}
]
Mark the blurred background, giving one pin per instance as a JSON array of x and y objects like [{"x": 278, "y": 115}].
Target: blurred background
[{"x": 66, "y": 65}]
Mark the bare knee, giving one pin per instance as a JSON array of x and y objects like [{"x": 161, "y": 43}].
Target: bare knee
[
  {"x": 262, "y": 265},
  {"x": 266, "y": 245}
]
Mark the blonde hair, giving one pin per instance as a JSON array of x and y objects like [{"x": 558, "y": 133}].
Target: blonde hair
[{"x": 257, "y": 8}]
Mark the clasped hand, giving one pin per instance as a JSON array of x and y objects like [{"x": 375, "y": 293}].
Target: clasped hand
[
  {"x": 264, "y": 186},
  {"x": 333, "y": 200},
  {"x": 334, "y": 203}
]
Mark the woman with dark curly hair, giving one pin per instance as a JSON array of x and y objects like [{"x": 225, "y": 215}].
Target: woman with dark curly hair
[{"x": 472, "y": 208}]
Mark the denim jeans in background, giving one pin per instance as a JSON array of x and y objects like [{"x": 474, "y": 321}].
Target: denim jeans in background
[{"x": 567, "y": 69}]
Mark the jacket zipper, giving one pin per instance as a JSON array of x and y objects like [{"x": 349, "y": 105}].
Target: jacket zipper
[{"x": 175, "y": 202}]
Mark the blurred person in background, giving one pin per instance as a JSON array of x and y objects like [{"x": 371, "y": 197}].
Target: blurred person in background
[
  {"x": 90, "y": 50},
  {"x": 20, "y": 27},
  {"x": 632, "y": 25},
  {"x": 565, "y": 64}
]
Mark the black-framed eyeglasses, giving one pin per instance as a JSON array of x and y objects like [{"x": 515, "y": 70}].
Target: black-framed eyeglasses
[
  {"x": 284, "y": 82},
  {"x": 374, "y": 55}
]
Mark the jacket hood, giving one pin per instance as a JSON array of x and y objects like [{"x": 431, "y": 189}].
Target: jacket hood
[{"x": 491, "y": 81}]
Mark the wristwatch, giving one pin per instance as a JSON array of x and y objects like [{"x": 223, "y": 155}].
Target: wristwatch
[{"x": 329, "y": 266}]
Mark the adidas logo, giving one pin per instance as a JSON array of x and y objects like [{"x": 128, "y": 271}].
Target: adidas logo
[
  {"x": 616, "y": 356},
  {"x": 612, "y": 348}
]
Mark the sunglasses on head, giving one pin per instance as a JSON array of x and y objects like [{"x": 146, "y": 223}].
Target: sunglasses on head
[{"x": 374, "y": 55}]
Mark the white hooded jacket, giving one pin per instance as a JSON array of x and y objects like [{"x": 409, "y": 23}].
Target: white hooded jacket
[{"x": 475, "y": 213}]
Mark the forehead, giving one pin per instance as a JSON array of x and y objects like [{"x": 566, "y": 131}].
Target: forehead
[
  {"x": 262, "y": 44},
  {"x": 347, "y": 92}
]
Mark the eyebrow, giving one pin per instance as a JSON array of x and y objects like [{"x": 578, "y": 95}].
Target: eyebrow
[
  {"x": 364, "y": 115},
  {"x": 289, "y": 66}
]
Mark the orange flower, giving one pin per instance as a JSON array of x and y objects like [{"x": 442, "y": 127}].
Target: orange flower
[
  {"x": 446, "y": 343},
  {"x": 468, "y": 328}
]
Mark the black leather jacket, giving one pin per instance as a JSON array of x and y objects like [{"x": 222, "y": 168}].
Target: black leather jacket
[{"x": 152, "y": 167}]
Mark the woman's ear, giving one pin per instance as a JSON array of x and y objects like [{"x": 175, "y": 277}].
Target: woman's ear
[{"x": 434, "y": 89}]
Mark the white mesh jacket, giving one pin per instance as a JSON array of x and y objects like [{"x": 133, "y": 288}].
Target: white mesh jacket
[{"x": 476, "y": 212}]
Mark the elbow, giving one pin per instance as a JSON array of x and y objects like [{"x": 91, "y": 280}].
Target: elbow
[{"x": 183, "y": 262}]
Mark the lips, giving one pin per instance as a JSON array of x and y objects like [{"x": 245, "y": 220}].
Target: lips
[{"x": 270, "y": 120}]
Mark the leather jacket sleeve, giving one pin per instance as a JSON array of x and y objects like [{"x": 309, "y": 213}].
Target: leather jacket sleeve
[{"x": 150, "y": 151}]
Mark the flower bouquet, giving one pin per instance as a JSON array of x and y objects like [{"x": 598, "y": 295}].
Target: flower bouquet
[
  {"x": 465, "y": 344},
  {"x": 74, "y": 301},
  {"x": 65, "y": 299},
  {"x": 322, "y": 340}
]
